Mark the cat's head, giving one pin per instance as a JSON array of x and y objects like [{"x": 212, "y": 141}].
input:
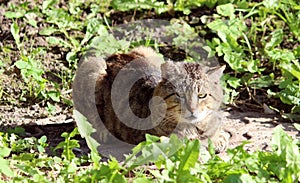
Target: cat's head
[{"x": 190, "y": 91}]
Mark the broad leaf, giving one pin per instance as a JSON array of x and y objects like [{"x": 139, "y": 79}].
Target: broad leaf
[{"x": 85, "y": 129}]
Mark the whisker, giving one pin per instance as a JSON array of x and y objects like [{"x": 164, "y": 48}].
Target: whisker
[{"x": 170, "y": 108}]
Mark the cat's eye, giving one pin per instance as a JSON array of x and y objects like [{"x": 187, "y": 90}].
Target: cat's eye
[{"x": 202, "y": 95}]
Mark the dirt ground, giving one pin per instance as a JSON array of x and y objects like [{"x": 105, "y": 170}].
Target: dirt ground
[{"x": 252, "y": 126}]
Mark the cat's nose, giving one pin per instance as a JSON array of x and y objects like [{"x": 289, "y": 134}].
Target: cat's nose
[{"x": 192, "y": 110}]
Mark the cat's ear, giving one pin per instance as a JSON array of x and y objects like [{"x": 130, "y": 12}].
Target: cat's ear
[
  {"x": 169, "y": 69},
  {"x": 216, "y": 72}
]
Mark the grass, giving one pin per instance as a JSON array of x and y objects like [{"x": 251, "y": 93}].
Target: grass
[
  {"x": 161, "y": 160},
  {"x": 44, "y": 41}
]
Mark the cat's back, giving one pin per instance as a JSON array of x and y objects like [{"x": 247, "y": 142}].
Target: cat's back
[
  {"x": 142, "y": 60},
  {"x": 125, "y": 91}
]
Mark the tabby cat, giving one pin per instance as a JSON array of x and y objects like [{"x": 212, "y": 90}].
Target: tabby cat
[{"x": 138, "y": 93}]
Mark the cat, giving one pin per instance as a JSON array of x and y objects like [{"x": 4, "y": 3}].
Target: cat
[{"x": 138, "y": 92}]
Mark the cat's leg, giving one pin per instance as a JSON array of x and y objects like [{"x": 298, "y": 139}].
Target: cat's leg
[
  {"x": 211, "y": 128},
  {"x": 221, "y": 141}
]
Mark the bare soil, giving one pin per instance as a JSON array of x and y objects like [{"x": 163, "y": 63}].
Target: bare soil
[{"x": 243, "y": 126}]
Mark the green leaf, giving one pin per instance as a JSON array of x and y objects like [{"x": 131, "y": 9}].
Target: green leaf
[
  {"x": 20, "y": 64},
  {"x": 71, "y": 167},
  {"x": 262, "y": 81},
  {"x": 288, "y": 156},
  {"x": 4, "y": 167},
  {"x": 276, "y": 39},
  {"x": 54, "y": 95},
  {"x": 58, "y": 41},
  {"x": 71, "y": 56},
  {"x": 51, "y": 108},
  {"x": 18, "y": 131},
  {"x": 296, "y": 73},
  {"x": 252, "y": 65},
  {"x": 94, "y": 26},
  {"x": 226, "y": 10},
  {"x": 14, "y": 29},
  {"x": 31, "y": 19},
  {"x": 151, "y": 138},
  {"x": 141, "y": 180},
  {"x": 86, "y": 130},
  {"x": 47, "y": 31},
  {"x": 155, "y": 151},
  {"x": 108, "y": 44},
  {"x": 68, "y": 144},
  {"x": 217, "y": 25},
  {"x": 297, "y": 126},
  {"x": 4, "y": 151},
  {"x": 234, "y": 82},
  {"x": 48, "y": 3},
  {"x": 231, "y": 81},
  {"x": 290, "y": 93},
  {"x": 280, "y": 139},
  {"x": 271, "y": 3},
  {"x": 281, "y": 55},
  {"x": 74, "y": 133},
  {"x": 25, "y": 157},
  {"x": 292, "y": 68},
  {"x": 74, "y": 42},
  {"x": 10, "y": 14},
  {"x": 190, "y": 156}
]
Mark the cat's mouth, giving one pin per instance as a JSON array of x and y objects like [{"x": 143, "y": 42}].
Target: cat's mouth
[
  {"x": 191, "y": 117},
  {"x": 195, "y": 117}
]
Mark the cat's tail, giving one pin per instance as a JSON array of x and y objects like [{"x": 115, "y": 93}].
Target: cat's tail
[
  {"x": 149, "y": 54},
  {"x": 144, "y": 51}
]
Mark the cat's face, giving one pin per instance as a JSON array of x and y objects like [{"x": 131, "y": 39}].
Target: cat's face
[{"x": 190, "y": 91}]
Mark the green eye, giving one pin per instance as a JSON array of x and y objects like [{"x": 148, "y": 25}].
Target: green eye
[{"x": 202, "y": 95}]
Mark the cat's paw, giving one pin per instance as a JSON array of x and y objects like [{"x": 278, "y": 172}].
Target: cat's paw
[{"x": 222, "y": 141}]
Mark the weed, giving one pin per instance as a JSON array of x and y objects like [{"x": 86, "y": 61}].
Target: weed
[
  {"x": 175, "y": 160},
  {"x": 68, "y": 145},
  {"x": 235, "y": 42}
]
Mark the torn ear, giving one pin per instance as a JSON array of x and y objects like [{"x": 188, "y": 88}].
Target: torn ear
[{"x": 216, "y": 72}]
